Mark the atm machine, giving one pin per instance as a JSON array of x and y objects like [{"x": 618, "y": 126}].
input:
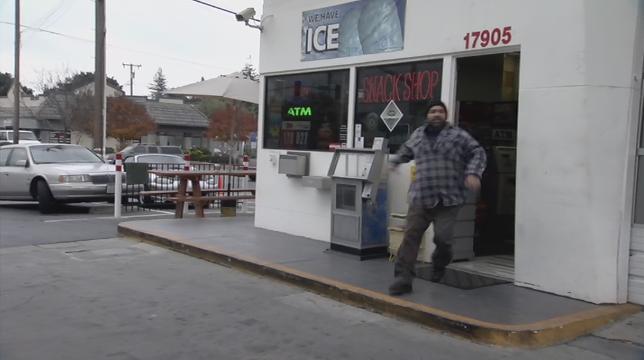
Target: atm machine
[{"x": 359, "y": 207}]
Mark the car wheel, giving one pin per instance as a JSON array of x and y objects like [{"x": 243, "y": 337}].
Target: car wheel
[{"x": 46, "y": 202}]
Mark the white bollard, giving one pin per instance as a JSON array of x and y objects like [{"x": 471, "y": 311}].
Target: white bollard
[
  {"x": 244, "y": 182},
  {"x": 245, "y": 164},
  {"x": 186, "y": 167},
  {"x": 117, "y": 185}
]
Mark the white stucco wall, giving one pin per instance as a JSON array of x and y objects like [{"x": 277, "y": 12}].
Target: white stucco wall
[
  {"x": 575, "y": 122},
  {"x": 284, "y": 204}
]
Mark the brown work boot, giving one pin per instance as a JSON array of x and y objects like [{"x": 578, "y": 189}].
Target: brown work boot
[
  {"x": 401, "y": 285},
  {"x": 437, "y": 274}
]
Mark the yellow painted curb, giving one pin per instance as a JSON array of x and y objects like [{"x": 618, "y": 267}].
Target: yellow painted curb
[{"x": 531, "y": 335}]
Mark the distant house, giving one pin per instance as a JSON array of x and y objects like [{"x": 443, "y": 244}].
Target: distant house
[
  {"x": 178, "y": 124},
  {"x": 37, "y": 113},
  {"x": 48, "y": 116},
  {"x": 110, "y": 91}
]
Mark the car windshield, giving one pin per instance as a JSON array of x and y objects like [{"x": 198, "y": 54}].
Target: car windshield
[
  {"x": 62, "y": 154},
  {"x": 22, "y": 135},
  {"x": 172, "y": 150},
  {"x": 133, "y": 149},
  {"x": 159, "y": 159}
]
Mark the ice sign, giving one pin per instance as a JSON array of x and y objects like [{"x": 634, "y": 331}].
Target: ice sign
[{"x": 391, "y": 115}]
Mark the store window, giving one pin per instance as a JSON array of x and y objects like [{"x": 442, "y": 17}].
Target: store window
[
  {"x": 306, "y": 111},
  {"x": 391, "y": 99}
]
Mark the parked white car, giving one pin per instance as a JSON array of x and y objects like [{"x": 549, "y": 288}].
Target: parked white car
[
  {"x": 53, "y": 173},
  {"x": 24, "y": 137}
]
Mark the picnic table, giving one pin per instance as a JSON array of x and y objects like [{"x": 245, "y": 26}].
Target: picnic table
[{"x": 198, "y": 198}]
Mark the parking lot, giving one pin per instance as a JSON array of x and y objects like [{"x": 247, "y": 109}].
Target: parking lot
[{"x": 21, "y": 223}]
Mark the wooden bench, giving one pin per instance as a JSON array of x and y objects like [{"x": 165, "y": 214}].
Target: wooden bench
[
  {"x": 182, "y": 195},
  {"x": 201, "y": 201},
  {"x": 207, "y": 199},
  {"x": 225, "y": 194},
  {"x": 203, "y": 191}
]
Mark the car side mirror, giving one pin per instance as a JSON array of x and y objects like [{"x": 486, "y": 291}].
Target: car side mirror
[{"x": 22, "y": 163}]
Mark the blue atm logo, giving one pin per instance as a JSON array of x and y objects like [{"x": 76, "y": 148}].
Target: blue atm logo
[{"x": 300, "y": 111}]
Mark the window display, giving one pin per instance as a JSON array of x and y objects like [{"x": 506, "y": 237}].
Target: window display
[
  {"x": 391, "y": 99},
  {"x": 306, "y": 111}
]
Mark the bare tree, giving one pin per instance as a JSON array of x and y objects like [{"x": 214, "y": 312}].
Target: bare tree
[
  {"x": 62, "y": 91},
  {"x": 48, "y": 80}
]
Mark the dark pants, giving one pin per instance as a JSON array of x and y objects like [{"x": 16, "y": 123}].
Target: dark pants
[{"x": 418, "y": 220}]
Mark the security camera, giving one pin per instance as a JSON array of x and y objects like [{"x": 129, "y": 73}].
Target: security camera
[{"x": 245, "y": 15}]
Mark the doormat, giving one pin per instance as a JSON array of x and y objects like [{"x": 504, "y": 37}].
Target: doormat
[{"x": 459, "y": 279}]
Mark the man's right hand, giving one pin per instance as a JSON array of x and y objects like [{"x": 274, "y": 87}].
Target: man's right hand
[{"x": 473, "y": 183}]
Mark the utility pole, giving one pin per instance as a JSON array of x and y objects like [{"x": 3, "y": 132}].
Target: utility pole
[
  {"x": 16, "y": 82},
  {"x": 99, "y": 77},
  {"x": 131, "y": 74}
]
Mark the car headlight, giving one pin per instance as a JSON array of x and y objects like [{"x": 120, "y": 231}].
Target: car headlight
[{"x": 74, "y": 178}]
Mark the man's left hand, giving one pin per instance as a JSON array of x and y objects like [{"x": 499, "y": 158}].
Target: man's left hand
[{"x": 473, "y": 183}]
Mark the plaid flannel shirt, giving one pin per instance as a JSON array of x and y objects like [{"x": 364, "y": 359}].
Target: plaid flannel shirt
[{"x": 441, "y": 165}]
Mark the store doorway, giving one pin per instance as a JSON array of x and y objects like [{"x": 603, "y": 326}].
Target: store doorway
[{"x": 487, "y": 89}]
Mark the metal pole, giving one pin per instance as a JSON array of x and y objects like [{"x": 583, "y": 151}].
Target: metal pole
[
  {"x": 16, "y": 83},
  {"x": 232, "y": 134},
  {"x": 99, "y": 76},
  {"x": 104, "y": 116},
  {"x": 131, "y": 75}
]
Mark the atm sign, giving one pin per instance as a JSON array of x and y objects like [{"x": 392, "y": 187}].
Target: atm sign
[{"x": 300, "y": 111}]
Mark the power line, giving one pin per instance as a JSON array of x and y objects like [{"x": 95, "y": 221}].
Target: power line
[
  {"x": 219, "y": 8},
  {"x": 216, "y": 7},
  {"x": 47, "y": 31},
  {"x": 42, "y": 21},
  {"x": 120, "y": 47}
]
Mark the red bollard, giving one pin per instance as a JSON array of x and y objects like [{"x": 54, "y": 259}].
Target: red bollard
[
  {"x": 245, "y": 162},
  {"x": 119, "y": 162},
  {"x": 186, "y": 165}
]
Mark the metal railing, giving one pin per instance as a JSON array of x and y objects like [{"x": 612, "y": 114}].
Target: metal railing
[{"x": 139, "y": 178}]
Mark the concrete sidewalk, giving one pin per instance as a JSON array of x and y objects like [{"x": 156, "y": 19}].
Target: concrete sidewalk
[{"x": 503, "y": 314}]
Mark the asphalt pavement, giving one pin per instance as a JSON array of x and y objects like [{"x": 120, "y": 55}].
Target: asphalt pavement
[
  {"x": 22, "y": 224},
  {"x": 69, "y": 289},
  {"x": 123, "y": 299}
]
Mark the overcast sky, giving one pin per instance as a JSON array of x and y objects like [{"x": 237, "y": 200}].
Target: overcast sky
[{"x": 184, "y": 38}]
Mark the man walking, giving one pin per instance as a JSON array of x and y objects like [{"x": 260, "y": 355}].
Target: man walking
[{"x": 448, "y": 163}]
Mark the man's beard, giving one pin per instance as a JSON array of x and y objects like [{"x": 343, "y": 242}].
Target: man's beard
[{"x": 435, "y": 127}]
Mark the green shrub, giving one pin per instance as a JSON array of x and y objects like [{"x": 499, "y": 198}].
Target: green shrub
[{"x": 199, "y": 154}]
